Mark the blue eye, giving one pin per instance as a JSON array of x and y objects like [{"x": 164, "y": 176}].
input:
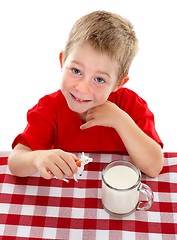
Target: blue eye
[
  {"x": 99, "y": 80},
  {"x": 76, "y": 71}
]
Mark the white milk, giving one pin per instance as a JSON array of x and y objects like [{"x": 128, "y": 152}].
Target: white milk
[
  {"x": 121, "y": 177},
  {"x": 120, "y": 200}
]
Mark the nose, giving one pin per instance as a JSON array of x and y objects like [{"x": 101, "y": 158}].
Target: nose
[{"x": 83, "y": 85}]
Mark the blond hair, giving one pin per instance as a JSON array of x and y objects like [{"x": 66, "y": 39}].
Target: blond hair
[{"x": 106, "y": 32}]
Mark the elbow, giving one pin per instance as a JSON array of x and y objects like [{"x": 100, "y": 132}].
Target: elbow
[
  {"x": 157, "y": 167},
  {"x": 153, "y": 173},
  {"x": 11, "y": 165}
]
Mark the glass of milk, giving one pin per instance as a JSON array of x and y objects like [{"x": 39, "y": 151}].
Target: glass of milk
[{"x": 121, "y": 188}]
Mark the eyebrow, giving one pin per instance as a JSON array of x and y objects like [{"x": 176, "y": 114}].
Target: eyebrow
[
  {"x": 98, "y": 72},
  {"x": 104, "y": 73}
]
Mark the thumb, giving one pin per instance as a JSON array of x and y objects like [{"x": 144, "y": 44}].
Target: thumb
[{"x": 87, "y": 125}]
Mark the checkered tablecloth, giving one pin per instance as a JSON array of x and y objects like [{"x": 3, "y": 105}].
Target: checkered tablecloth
[{"x": 35, "y": 208}]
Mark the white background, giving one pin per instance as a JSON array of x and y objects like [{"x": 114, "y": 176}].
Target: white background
[{"x": 32, "y": 33}]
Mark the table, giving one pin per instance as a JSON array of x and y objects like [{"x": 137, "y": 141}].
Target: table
[{"x": 35, "y": 208}]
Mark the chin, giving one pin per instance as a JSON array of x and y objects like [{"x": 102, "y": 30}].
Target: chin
[{"x": 77, "y": 110}]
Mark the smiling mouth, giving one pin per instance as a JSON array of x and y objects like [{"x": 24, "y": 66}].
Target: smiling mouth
[{"x": 79, "y": 99}]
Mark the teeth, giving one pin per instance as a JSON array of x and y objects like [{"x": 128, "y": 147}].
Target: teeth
[{"x": 78, "y": 99}]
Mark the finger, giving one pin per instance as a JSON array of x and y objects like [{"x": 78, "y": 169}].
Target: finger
[
  {"x": 74, "y": 157},
  {"x": 45, "y": 173},
  {"x": 64, "y": 167},
  {"x": 89, "y": 116},
  {"x": 70, "y": 160},
  {"x": 87, "y": 125},
  {"x": 57, "y": 171}
]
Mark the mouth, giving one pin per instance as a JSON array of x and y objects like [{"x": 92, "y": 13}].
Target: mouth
[{"x": 79, "y": 100}]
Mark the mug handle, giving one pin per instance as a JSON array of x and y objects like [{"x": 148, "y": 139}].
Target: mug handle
[{"x": 146, "y": 190}]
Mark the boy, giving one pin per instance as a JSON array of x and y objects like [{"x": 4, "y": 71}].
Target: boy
[{"x": 92, "y": 112}]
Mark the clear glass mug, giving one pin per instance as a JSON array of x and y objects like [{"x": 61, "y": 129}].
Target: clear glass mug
[{"x": 121, "y": 188}]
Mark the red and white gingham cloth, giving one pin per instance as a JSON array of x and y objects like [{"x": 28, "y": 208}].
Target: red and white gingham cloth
[{"x": 35, "y": 208}]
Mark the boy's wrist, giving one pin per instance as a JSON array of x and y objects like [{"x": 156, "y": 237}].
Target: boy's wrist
[{"x": 121, "y": 120}]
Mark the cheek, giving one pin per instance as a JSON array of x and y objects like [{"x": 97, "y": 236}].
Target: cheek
[
  {"x": 105, "y": 92},
  {"x": 65, "y": 81},
  {"x": 102, "y": 95}
]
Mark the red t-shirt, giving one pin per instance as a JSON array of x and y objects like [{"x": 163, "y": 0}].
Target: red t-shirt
[{"x": 52, "y": 124}]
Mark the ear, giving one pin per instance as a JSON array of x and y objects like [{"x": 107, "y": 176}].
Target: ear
[
  {"x": 61, "y": 59},
  {"x": 120, "y": 84}
]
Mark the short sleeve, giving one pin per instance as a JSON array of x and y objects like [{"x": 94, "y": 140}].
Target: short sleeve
[{"x": 40, "y": 130}]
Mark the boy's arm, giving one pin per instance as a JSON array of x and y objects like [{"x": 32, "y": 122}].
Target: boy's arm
[
  {"x": 21, "y": 161},
  {"x": 24, "y": 162},
  {"x": 143, "y": 150}
]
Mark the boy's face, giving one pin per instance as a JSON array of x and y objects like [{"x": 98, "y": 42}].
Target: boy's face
[{"x": 88, "y": 78}]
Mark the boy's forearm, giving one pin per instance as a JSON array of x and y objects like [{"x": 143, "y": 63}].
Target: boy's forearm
[
  {"x": 20, "y": 163},
  {"x": 143, "y": 150}
]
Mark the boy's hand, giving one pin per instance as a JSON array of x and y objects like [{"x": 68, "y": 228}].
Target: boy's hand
[
  {"x": 103, "y": 115},
  {"x": 55, "y": 162}
]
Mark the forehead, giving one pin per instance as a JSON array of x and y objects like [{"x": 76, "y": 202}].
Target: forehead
[{"x": 86, "y": 55}]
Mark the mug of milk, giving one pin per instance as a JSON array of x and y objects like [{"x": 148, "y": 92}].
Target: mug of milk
[{"x": 121, "y": 188}]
